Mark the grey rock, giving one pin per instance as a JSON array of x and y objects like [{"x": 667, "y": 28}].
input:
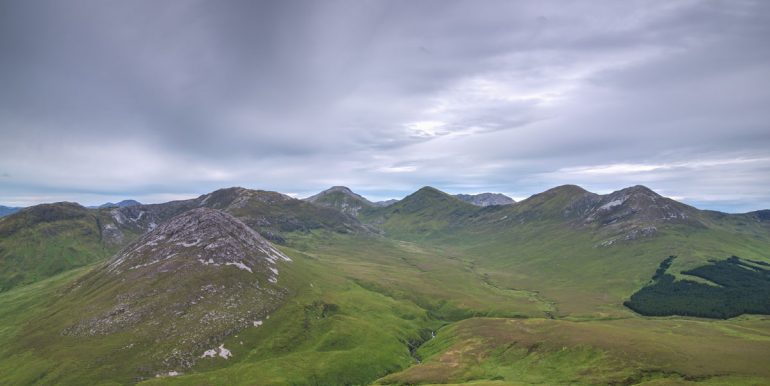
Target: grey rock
[{"x": 486, "y": 199}]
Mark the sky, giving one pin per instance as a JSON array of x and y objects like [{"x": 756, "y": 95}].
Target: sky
[{"x": 106, "y": 100}]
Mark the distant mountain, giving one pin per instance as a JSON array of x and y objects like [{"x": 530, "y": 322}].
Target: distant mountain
[
  {"x": 420, "y": 213},
  {"x": 385, "y": 203},
  {"x": 342, "y": 199},
  {"x": 8, "y": 210},
  {"x": 122, "y": 204},
  {"x": 486, "y": 199}
]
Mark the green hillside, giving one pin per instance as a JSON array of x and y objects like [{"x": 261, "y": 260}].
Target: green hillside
[
  {"x": 528, "y": 293},
  {"x": 45, "y": 240}
]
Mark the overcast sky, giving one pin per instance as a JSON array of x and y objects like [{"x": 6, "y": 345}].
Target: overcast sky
[{"x": 159, "y": 100}]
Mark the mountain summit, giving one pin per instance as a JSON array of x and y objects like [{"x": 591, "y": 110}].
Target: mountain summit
[
  {"x": 122, "y": 204},
  {"x": 342, "y": 199},
  {"x": 486, "y": 199}
]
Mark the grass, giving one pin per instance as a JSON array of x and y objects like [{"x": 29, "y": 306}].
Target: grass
[
  {"x": 357, "y": 303},
  {"x": 46, "y": 249},
  {"x": 626, "y": 351}
]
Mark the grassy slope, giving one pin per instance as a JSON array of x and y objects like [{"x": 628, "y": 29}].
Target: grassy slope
[
  {"x": 361, "y": 337},
  {"x": 49, "y": 239},
  {"x": 534, "y": 246},
  {"x": 566, "y": 266},
  {"x": 628, "y": 351},
  {"x": 389, "y": 293},
  {"x": 17, "y": 308},
  {"x": 358, "y": 336}
]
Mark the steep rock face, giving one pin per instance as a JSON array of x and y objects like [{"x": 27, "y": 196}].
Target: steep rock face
[
  {"x": 209, "y": 236},
  {"x": 342, "y": 199},
  {"x": 638, "y": 203},
  {"x": 486, "y": 199},
  {"x": 175, "y": 293},
  {"x": 630, "y": 213}
]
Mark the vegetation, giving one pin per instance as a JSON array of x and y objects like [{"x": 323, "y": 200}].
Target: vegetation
[
  {"x": 520, "y": 294},
  {"x": 612, "y": 352},
  {"x": 743, "y": 288},
  {"x": 45, "y": 240}
]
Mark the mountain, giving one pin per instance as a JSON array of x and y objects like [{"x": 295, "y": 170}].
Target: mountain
[
  {"x": 428, "y": 290},
  {"x": 122, "y": 204},
  {"x": 7, "y": 210},
  {"x": 385, "y": 203},
  {"x": 486, "y": 199},
  {"x": 171, "y": 298},
  {"x": 43, "y": 240},
  {"x": 567, "y": 244},
  {"x": 342, "y": 199},
  {"x": 46, "y": 239},
  {"x": 419, "y": 213},
  {"x": 270, "y": 213}
]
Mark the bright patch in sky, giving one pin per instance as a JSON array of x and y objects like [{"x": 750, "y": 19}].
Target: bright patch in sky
[{"x": 384, "y": 97}]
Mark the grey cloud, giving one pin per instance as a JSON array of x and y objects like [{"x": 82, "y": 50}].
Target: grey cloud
[{"x": 108, "y": 98}]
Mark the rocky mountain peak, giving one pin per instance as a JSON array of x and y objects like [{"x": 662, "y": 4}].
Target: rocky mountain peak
[
  {"x": 121, "y": 204},
  {"x": 195, "y": 239},
  {"x": 486, "y": 199},
  {"x": 633, "y": 212},
  {"x": 429, "y": 191},
  {"x": 342, "y": 199},
  {"x": 343, "y": 190},
  {"x": 238, "y": 197}
]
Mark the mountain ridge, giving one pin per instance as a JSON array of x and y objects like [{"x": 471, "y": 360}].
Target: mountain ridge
[
  {"x": 121, "y": 204},
  {"x": 486, "y": 199},
  {"x": 187, "y": 296}
]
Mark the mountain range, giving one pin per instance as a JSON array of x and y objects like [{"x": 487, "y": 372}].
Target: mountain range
[
  {"x": 6, "y": 210},
  {"x": 243, "y": 286},
  {"x": 120, "y": 204}
]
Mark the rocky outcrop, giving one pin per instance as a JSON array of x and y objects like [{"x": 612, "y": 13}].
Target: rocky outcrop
[
  {"x": 486, "y": 199},
  {"x": 182, "y": 288},
  {"x": 202, "y": 236}
]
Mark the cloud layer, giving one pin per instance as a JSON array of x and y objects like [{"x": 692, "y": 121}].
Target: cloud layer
[{"x": 104, "y": 100}]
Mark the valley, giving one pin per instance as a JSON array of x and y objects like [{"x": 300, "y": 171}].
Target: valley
[{"x": 524, "y": 293}]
